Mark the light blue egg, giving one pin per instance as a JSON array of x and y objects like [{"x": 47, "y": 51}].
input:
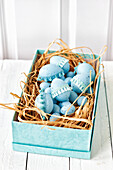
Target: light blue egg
[
  {"x": 61, "y": 62},
  {"x": 73, "y": 96},
  {"x": 79, "y": 82},
  {"x": 60, "y": 90},
  {"x": 65, "y": 108},
  {"x": 63, "y": 78},
  {"x": 44, "y": 102},
  {"x": 44, "y": 85},
  {"x": 85, "y": 68},
  {"x": 61, "y": 104},
  {"x": 79, "y": 101},
  {"x": 49, "y": 72},
  {"x": 68, "y": 80},
  {"x": 52, "y": 118},
  {"x": 70, "y": 74},
  {"x": 88, "y": 91},
  {"x": 56, "y": 108},
  {"x": 48, "y": 90}
]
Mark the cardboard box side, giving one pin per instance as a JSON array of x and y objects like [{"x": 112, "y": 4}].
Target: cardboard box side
[
  {"x": 65, "y": 138},
  {"x": 78, "y": 135},
  {"x": 51, "y": 151},
  {"x": 95, "y": 104}
]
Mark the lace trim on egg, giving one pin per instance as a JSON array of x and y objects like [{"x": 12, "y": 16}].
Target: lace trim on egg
[
  {"x": 78, "y": 83},
  {"x": 63, "y": 62},
  {"x": 61, "y": 90}
]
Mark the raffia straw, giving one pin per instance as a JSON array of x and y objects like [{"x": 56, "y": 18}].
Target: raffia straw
[
  {"x": 26, "y": 109},
  {"x": 15, "y": 95},
  {"x": 61, "y": 117},
  {"x": 101, "y": 53},
  {"x": 90, "y": 83}
]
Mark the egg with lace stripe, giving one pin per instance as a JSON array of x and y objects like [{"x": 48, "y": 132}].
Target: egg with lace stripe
[
  {"x": 60, "y": 90},
  {"x": 61, "y": 62}
]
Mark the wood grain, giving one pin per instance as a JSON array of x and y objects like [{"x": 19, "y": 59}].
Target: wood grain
[
  {"x": 10, "y": 75},
  {"x": 108, "y": 66},
  {"x": 44, "y": 162}
]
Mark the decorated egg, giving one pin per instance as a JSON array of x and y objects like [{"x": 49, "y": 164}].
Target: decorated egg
[
  {"x": 79, "y": 82},
  {"x": 60, "y": 90},
  {"x": 49, "y": 72},
  {"x": 85, "y": 68},
  {"x": 68, "y": 81},
  {"x": 44, "y": 102},
  {"x": 82, "y": 99},
  {"x": 44, "y": 85},
  {"x": 53, "y": 118},
  {"x": 63, "y": 78},
  {"x": 70, "y": 74},
  {"x": 66, "y": 107},
  {"x": 56, "y": 108},
  {"x": 73, "y": 96},
  {"x": 48, "y": 90},
  {"x": 61, "y": 62},
  {"x": 61, "y": 104}
]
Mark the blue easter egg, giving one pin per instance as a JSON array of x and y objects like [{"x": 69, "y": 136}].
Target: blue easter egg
[
  {"x": 44, "y": 102},
  {"x": 73, "y": 96},
  {"x": 88, "y": 91},
  {"x": 61, "y": 62},
  {"x": 52, "y": 118},
  {"x": 70, "y": 74},
  {"x": 56, "y": 108},
  {"x": 60, "y": 90},
  {"x": 79, "y": 101},
  {"x": 49, "y": 72},
  {"x": 85, "y": 68},
  {"x": 61, "y": 104},
  {"x": 63, "y": 78},
  {"x": 68, "y": 81},
  {"x": 66, "y": 107},
  {"x": 44, "y": 85},
  {"x": 79, "y": 82},
  {"x": 48, "y": 90}
]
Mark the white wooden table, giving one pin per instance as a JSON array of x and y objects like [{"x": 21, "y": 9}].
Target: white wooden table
[{"x": 10, "y": 76}]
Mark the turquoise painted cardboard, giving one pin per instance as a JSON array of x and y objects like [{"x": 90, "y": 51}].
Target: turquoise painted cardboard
[{"x": 60, "y": 142}]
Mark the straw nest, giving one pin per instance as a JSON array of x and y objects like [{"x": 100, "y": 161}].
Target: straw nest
[{"x": 26, "y": 110}]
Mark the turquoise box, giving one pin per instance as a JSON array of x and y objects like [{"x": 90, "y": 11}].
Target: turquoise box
[{"x": 64, "y": 142}]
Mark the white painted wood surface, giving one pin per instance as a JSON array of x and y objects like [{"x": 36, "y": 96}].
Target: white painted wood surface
[
  {"x": 38, "y": 24},
  {"x": 26, "y": 25},
  {"x": 10, "y": 75},
  {"x": 108, "y": 66}
]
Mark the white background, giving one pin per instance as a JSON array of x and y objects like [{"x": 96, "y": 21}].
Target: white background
[{"x": 27, "y": 25}]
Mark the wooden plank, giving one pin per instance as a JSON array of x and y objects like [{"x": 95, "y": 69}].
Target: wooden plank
[
  {"x": 101, "y": 147},
  {"x": 8, "y": 158},
  {"x": 9, "y": 30},
  {"x": 73, "y": 23},
  {"x": 44, "y": 162},
  {"x": 36, "y": 29},
  {"x": 9, "y": 78},
  {"x": 92, "y": 25},
  {"x": 64, "y": 22},
  {"x": 108, "y": 66}
]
